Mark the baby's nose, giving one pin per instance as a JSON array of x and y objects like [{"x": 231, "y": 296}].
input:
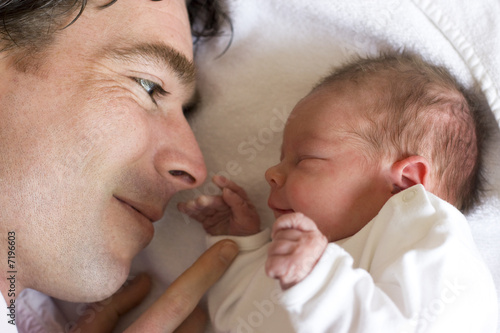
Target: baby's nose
[{"x": 274, "y": 176}]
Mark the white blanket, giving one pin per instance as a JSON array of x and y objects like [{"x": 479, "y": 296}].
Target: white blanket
[{"x": 279, "y": 49}]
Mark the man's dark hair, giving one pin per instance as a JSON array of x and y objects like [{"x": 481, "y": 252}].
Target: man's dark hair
[
  {"x": 207, "y": 18},
  {"x": 30, "y": 25}
]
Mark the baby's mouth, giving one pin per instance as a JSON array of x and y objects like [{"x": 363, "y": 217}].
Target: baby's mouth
[{"x": 278, "y": 212}]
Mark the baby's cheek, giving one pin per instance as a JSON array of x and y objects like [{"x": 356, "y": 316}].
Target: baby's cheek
[
  {"x": 318, "y": 202},
  {"x": 306, "y": 199}
]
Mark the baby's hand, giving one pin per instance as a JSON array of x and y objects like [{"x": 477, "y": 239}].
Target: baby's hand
[
  {"x": 296, "y": 248},
  {"x": 231, "y": 213}
]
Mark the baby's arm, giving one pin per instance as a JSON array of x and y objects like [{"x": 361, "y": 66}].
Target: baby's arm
[
  {"x": 296, "y": 248},
  {"x": 231, "y": 213}
]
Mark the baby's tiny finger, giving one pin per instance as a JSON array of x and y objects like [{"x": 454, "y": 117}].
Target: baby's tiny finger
[
  {"x": 286, "y": 270},
  {"x": 191, "y": 205},
  {"x": 287, "y": 234},
  {"x": 273, "y": 267},
  {"x": 281, "y": 247},
  {"x": 232, "y": 198},
  {"x": 296, "y": 221},
  {"x": 203, "y": 201},
  {"x": 181, "y": 206},
  {"x": 188, "y": 208},
  {"x": 223, "y": 182},
  {"x": 215, "y": 203},
  {"x": 192, "y": 210},
  {"x": 279, "y": 267}
]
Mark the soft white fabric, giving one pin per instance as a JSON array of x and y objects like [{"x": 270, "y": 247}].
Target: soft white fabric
[
  {"x": 37, "y": 313},
  {"x": 279, "y": 49},
  {"x": 413, "y": 268}
]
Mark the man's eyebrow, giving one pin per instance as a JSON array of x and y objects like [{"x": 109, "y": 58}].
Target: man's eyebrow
[{"x": 159, "y": 53}]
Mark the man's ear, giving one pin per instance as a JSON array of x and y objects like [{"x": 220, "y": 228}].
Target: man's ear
[{"x": 410, "y": 171}]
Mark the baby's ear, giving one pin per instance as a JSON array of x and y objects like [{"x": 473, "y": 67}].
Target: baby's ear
[{"x": 410, "y": 171}]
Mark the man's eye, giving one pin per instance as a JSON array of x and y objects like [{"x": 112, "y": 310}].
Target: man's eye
[{"x": 153, "y": 89}]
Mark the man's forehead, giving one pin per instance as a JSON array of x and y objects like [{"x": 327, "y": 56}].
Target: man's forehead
[{"x": 142, "y": 20}]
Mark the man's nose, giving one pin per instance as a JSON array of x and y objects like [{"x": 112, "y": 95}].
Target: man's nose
[
  {"x": 178, "y": 157},
  {"x": 275, "y": 176}
]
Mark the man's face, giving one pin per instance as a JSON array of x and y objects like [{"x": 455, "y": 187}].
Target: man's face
[
  {"x": 94, "y": 143},
  {"x": 324, "y": 171}
]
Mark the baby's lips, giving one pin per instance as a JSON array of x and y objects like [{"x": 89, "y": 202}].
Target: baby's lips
[
  {"x": 280, "y": 211},
  {"x": 284, "y": 211}
]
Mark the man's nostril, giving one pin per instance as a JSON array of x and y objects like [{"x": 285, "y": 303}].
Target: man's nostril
[{"x": 184, "y": 175}]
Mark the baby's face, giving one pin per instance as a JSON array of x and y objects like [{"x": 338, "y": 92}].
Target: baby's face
[{"x": 324, "y": 172}]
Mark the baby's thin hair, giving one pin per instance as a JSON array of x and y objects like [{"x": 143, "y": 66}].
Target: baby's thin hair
[{"x": 421, "y": 109}]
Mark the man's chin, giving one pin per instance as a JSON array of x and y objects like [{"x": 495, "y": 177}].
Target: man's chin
[{"x": 88, "y": 288}]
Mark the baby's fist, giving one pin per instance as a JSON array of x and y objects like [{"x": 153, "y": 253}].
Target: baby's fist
[{"x": 296, "y": 248}]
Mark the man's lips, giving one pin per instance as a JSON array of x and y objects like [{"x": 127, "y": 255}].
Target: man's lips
[{"x": 151, "y": 213}]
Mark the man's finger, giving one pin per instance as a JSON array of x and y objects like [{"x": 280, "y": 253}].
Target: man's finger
[
  {"x": 170, "y": 310},
  {"x": 196, "y": 322},
  {"x": 102, "y": 317}
]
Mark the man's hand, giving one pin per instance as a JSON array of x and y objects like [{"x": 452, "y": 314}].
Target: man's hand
[
  {"x": 231, "y": 213},
  {"x": 296, "y": 247},
  {"x": 172, "y": 308}
]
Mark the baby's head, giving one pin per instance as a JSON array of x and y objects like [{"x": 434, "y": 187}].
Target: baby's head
[{"x": 371, "y": 129}]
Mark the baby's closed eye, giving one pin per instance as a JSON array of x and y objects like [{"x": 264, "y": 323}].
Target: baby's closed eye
[{"x": 309, "y": 159}]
